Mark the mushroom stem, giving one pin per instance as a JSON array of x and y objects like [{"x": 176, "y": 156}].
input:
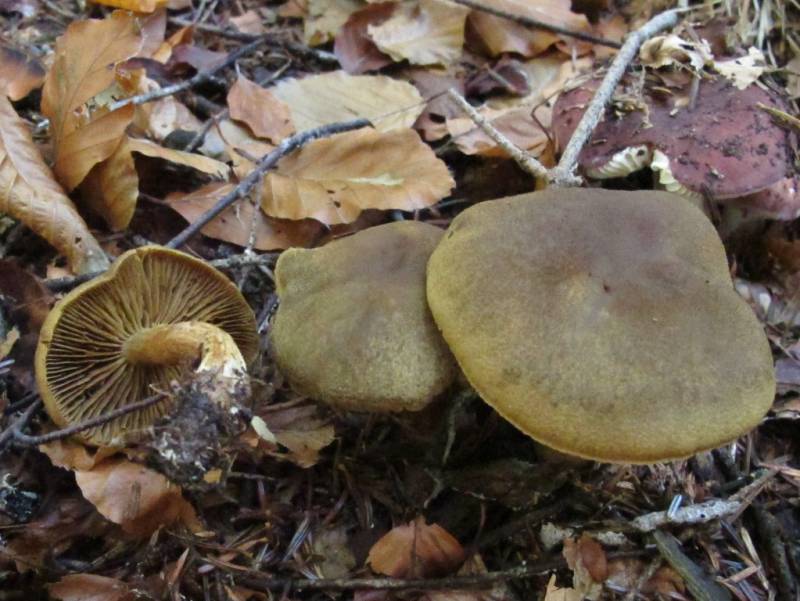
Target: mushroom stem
[{"x": 173, "y": 344}]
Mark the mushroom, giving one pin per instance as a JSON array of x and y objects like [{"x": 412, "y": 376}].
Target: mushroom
[
  {"x": 113, "y": 340},
  {"x": 602, "y": 323},
  {"x": 726, "y": 148},
  {"x": 353, "y": 327}
]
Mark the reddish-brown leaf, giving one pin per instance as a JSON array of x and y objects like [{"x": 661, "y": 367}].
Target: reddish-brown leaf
[
  {"x": 356, "y": 51},
  {"x": 19, "y": 74},
  {"x": 90, "y": 587},
  {"x": 257, "y": 107}
]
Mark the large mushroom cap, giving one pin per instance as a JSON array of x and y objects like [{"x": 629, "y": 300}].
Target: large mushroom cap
[
  {"x": 603, "y": 324},
  {"x": 353, "y": 328},
  {"x": 81, "y": 367}
]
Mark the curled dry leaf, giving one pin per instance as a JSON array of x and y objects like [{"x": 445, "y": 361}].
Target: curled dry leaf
[
  {"x": 19, "y": 74},
  {"x": 30, "y": 194},
  {"x": 263, "y": 113},
  {"x": 90, "y": 587},
  {"x": 325, "y": 17},
  {"x": 428, "y": 33},
  {"x": 111, "y": 188},
  {"x": 356, "y": 51},
  {"x": 235, "y": 223},
  {"x": 81, "y": 71},
  {"x": 139, "y": 499},
  {"x": 199, "y": 162},
  {"x": 332, "y": 180},
  {"x": 416, "y": 550},
  {"x": 336, "y": 96},
  {"x": 499, "y": 35}
]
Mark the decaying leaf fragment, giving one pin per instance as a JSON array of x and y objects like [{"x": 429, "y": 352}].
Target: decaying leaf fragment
[
  {"x": 29, "y": 193},
  {"x": 19, "y": 74},
  {"x": 257, "y": 107},
  {"x": 91, "y": 587},
  {"x": 428, "y": 33},
  {"x": 336, "y": 96},
  {"x": 332, "y": 180},
  {"x": 83, "y": 67}
]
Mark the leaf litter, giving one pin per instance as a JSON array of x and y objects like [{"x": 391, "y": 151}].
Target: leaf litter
[{"x": 453, "y": 498}]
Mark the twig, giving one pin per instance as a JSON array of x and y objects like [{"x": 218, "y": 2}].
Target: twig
[
  {"x": 699, "y": 584},
  {"x": 27, "y": 440},
  {"x": 563, "y": 173},
  {"x": 530, "y": 22},
  {"x": 21, "y": 422},
  {"x": 254, "y": 177},
  {"x": 197, "y": 79},
  {"x": 691, "y": 514},
  {"x": 522, "y": 158},
  {"x": 232, "y": 262}
]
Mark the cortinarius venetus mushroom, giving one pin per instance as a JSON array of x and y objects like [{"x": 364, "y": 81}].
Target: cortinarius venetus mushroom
[
  {"x": 603, "y": 324},
  {"x": 726, "y": 148},
  {"x": 112, "y": 340},
  {"x": 353, "y": 328}
]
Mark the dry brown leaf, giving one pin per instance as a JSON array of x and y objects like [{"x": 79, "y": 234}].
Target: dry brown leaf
[
  {"x": 356, "y": 51},
  {"x": 234, "y": 224},
  {"x": 19, "y": 74},
  {"x": 249, "y": 22},
  {"x": 613, "y": 27},
  {"x": 83, "y": 67},
  {"x": 72, "y": 455},
  {"x": 257, "y": 107},
  {"x": 516, "y": 124},
  {"x": 301, "y": 427},
  {"x": 334, "y": 179},
  {"x": 111, "y": 188},
  {"x": 139, "y": 499},
  {"x": 589, "y": 565},
  {"x": 416, "y": 550},
  {"x": 325, "y": 17},
  {"x": 336, "y": 96},
  {"x": 140, "y": 6},
  {"x": 199, "y": 162},
  {"x": 29, "y": 193},
  {"x": 26, "y": 300},
  {"x": 90, "y": 587},
  {"x": 429, "y": 33},
  {"x": 499, "y": 35},
  {"x": 554, "y": 593}
]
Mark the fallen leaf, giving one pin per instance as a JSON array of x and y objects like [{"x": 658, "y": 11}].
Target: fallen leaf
[
  {"x": 25, "y": 299},
  {"x": 249, "y": 22},
  {"x": 300, "y": 427},
  {"x": 614, "y": 28},
  {"x": 83, "y": 67},
  {"x": 201, "y": 59},
  {"x": 744, "y": 70},
  {"x": 554, "y": 593},
  {"x": 199, "y": 162},
  {"x": 139, "y": 499},
  {"x": 669, "y": 50},
  {"x": 429, "y": 33},
  {"x": 234, "y": 224},
  {"x": 587, "y": 560},
  {"x": 336, "y": 96},
  {"x": 331, "y": 550},
  {"x": 432, "y": 84},
  {"x": 72, "y": 455},
  {"x": 356, "y": 51},
  {"x": 111, "y": 188},
  {"x": 324, "y": 19},
  {"x": 626, "y": 574},
  {"x": 516, "y": 124},
  {"x": 31, "y": 195},
  {"x": 141, "y": 6},
  {"x": 416, "y": 550},
  {"x": 332, "y": 180},
  {"x": 257, "y": 107},
  {"x": 19, "y": 74},
  {"x": 498, "y": 35},
  {"x": 90, "y": 587}
]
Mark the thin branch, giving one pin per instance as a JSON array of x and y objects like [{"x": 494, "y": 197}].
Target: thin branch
[
  {"x": 21, "y": 422},
  {"x": 563, "y": 173},
  {"x": 691, "y": 514},
  {"x": 530, "y": 22},
  {"x": 100, "y": 420},
  {"x": 522, "y": 158},
  {"x": 197, "y": 79},
  {"x": 232, "y": 262},
  {"x": 254, "y": 177}
]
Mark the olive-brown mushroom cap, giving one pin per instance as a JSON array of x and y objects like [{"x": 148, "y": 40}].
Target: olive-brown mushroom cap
[
  {"x": 81, "y": 370},
  {"x": 353, "y": 327},
  {"x": 602, "y": 323}
]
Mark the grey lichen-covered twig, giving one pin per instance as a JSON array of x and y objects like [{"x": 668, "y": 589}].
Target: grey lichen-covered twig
[
  {"x": 691, "y": 514},
  {"x": 564, "y": 173}
]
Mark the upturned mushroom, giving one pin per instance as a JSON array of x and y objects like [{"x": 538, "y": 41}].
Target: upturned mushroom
[
  {"x": 353, "y": 327},
  {"x": 603, "y": 324},
  {"x": 726, "y": 148},
  {"x": 114, "y": 340}
]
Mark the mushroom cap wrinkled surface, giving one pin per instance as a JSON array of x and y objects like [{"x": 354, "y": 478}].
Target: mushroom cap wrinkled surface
[
  {"x": 353, "y": 327},
  {"x": 602, "y": 323},
  {"x": 81, "y": 369},
  {"x": 725, "y": 147}
]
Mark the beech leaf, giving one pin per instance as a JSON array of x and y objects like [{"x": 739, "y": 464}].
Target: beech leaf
[
  {"x": 429, "y": 33},
  {"x": 257, "y": 107},
  {"x": 336, "y": 96},
  {"x": 91, "y": 587},
  {"x": 19, "y": 74},
  {"x": 29, "y": 193},
  {"x": 325, "y": 17},
  {"x": 83, "y": 67},
  {"x": 332, "y": 180},
  {"x": 111, "y": 188}
]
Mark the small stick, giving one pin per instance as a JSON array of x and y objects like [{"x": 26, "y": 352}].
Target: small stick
[
  {"x": 691, "y": 514},
  {"x": 21, "y": 422},
  {"x": 33, "y": 441},
  {"x": 530, "y": 22},
  {"x": 197, "y": 79},
  {"x": 254, "y": 177},
  {"x": 522, "y": 158},
  {"x": 563, "y": 174}
]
